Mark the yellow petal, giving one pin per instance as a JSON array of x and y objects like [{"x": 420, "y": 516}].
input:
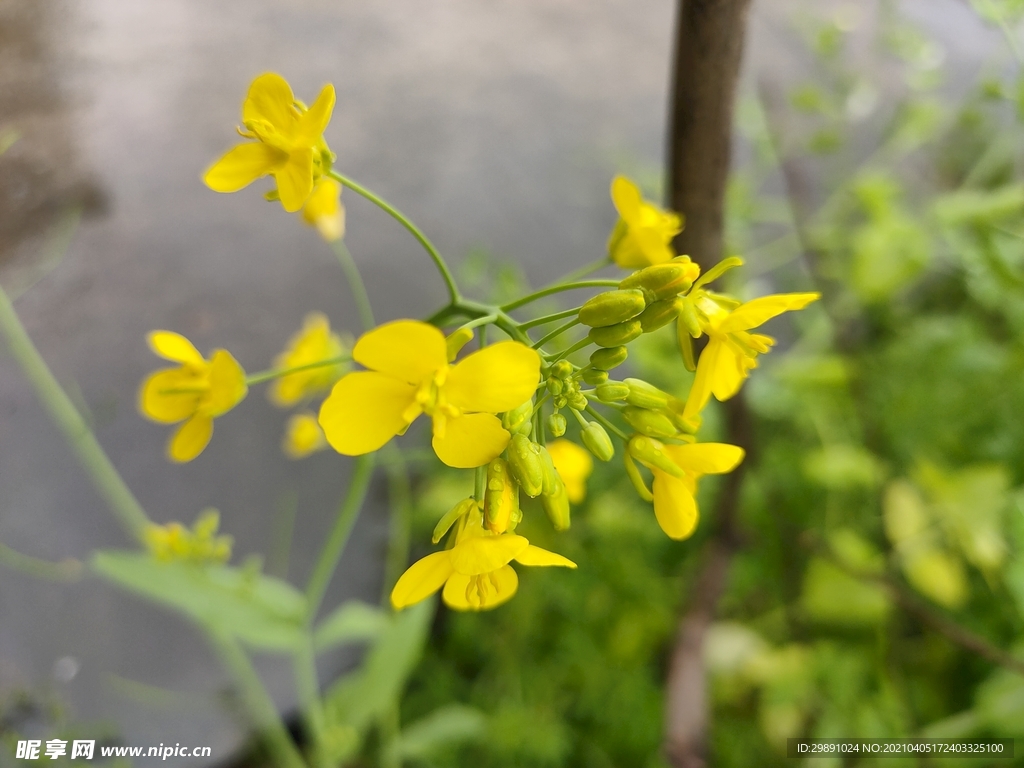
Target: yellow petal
[
  {"x": 242, "y": 165},
  {"x": 470, "y": 441},
  {"x": 703, "y": 381},
  {"x": 494, "y": 379},
  {"x": 538, "y": 556},
  {"x": 674, "y": 506},
  {"x": 227, "y": 383},
  {"x": 729, "y": 371},
  {"x": 627, "y": 199},
  {"x": 190, "y": 438},
  {"x": 295, "y": 178},
  {"x": 758, "y": 311},
  {"x": 171, "y": 395},
  {"x": 574, "y": 465},
  {"x": 302, "y": 436},
  {"x": 706, "y": 458},
  {"x": 422, "y": 579},
  {"x": 270, "y": 100},
  {"x": 406, "y": 349},
  {"x": 324, "y": 211},
  {"x": 313, "y": 122},
  {"x": 364, "y": 411},
  {"x": 479, "y": 593},
  {"x": 174, "y": 346},
  {"x": 481, "y": 554}
]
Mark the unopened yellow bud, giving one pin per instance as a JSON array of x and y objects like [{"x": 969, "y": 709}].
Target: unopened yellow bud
[
  {"x": 518, "y": 419},
  {"x": 663, "y": 280},
  {"x": 644, "y": 395},
  {"x": 597, "y": 440},
  {"x": 606, "y": 359},
  {"x": 651, "y": 453},
  {"x": 451, "y": 517},
  {"x": 612, "y": 391},
  {"x": 556, "y": 504},
  {"x": 551, "y": 477},
  {"x": 650, "y": 423},
  {"x": 556, "y": 424},
  {"x": 616, "y": 335},
  {"x": 555, "y": 386},
  {"x": 501, "y": 497},
  {"x": 577, "y": 400},
  {"x": 660, "y": 314},
  {"x": 562, "y": 369},
  {"x": 593, "y": 377},
  {"x": 525, "y": 463},
  {"x": 612, "y": 307}
]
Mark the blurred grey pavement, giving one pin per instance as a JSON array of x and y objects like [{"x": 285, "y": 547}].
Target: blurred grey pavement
[{"x": 495, "y": 125}]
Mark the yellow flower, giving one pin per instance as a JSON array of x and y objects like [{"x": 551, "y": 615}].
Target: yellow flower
[
  {"x": 675, "y": 503},
  {"x": 475, "y": 573},
  {"x": 574, "y": 466},
  {"x": 303, "y": 436},
  {"x": 324, "y": 210},
  {"x": 643, "y": 234},
  {"x": 313, "y": 344},
  {"x": 409, "y": 375},
  {"x": 731, "y": 351},
  {"x": 201, "y": 544},
  {"x": 195, "y": 392},
  {"x": 290, "y": 144}
]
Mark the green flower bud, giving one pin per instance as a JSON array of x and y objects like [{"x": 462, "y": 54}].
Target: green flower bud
[
  {"x": 562, "y": 369},
  {"x": 616, "y": 335},
  {"x": 560, "y": 402},
  {"x": 644, "y": 395},
  {"x": 663, "y": 280},
  {"x": 518, "y": 419},
  {"x": 556, "y": 504},
  {"x": 660, "y": 314},
  {"x": 555, "y": 386},
  {"x": 552, "y": 480},
  {"x": 685, "y": 345},
  {"x": 451, "y": 517},
  {"x": 650, "y": 423},
  {"x": 577, "y": 401},
  {"x": 593, "y": 377},
  {"x": 611, "y": 308},
  {"x": 612, "y": 391},
  {"x": 688, "y": 319},
  {"x": 501, "y": 497},
  {"x": 597, "y": 441},
  {"x": 651, "y": 453},
  {"x": 556, "y": 424},
  {"x": 525, "y": 464},
  {"x": 606, "y": 359}
]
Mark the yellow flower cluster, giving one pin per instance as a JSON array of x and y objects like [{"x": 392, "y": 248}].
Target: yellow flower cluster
[{"x": 200, "y": 544}]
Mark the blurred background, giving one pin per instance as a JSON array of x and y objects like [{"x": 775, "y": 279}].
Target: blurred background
[{"x": 877, "y": 158}]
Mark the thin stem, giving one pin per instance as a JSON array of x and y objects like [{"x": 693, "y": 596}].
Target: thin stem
[
  {"x": 479, "y": 479},
  {"x": 607, "y": 424},
  {"x": 274, "y": 373},
  {"x": 380, "y": 202},
  {"x": 355, "y": 283},
  {"x": 67, "y": 570},
  {"x": 400, "y": 498},
  {"x": 552, "y": 289},
  {"x": 94, "y": 460},
  {"x": 585, "y": 341},
  {"x": 359, "y": 484},
  {"x": 257, "y": 701},
  {"x": 993, "y": 9},
  {"x": 307, "y": 684},
  {"x": 557, "y": 332},
  {"x": 582, "y": 272},
  {"x": 549, "y": 318},
  {"x": 477, "y": 322}
]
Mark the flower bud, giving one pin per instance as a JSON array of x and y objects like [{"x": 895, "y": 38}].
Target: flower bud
[
  {"x": 660, "y": 314},
  {"x": 560, "y": 402},
  {"x": 688, "y": 319},
  {"x": 551, "y": 477},
  {"x": 555, "y": 386},
  {"x": 518, "y": 419},
  {"x": 556, "y": 424},
  {"x": 616, "y": 335},
  {"x": 556, "y": 504},
  {"x": 650, "y": 423},
  {"x": 611, "y": 308},
  {"x": 525, "y": 464},
  {"x": 597, "y": 440},
  {"x": 451, "y": 517},
  {"x": 612, "y": 391},
  {"x": 663, "y": 280},
  {"x": 501, "y": 497},
  {"x": 606, "y": 359},
  {"x": 644, "y": 395},
  {"x": 562, "y": 369},
  {"x": 577, "y": 401},
  {"x": 651, "y": 453},
  {"x": 593, "y": 377}
]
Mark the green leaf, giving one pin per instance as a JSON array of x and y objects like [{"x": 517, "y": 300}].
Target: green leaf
[
  {"x": 832, "y": 596},
  {"x": 441, "y": 727},
  {"x": 261, "y": 611},
  {"x": 354, "y": 621},
  {"x": 975, "y": 206}
]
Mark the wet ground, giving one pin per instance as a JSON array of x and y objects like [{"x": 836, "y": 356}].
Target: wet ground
[{"x": 493, "y": 125}]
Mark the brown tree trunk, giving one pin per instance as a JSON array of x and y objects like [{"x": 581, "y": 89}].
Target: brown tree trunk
[{"x": 709, "y": 47}]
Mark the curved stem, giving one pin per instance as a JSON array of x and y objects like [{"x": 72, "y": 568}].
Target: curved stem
[
  {"x": 400, "y": 498},
  {"x": 105, "y": 478},
  {"x": 586, "y": 270},
  {"x": 355, "y": 283},
  {"x": 380, "y": 202},
  {"x": 558, "y": 289},
  {"x": 549, "y": 318},
  {"x": 557, "y": 332},
  {"x": 326, "y": 563},
  {"x": 606, "y": 424},
  {"x": 274, "y": 373}
]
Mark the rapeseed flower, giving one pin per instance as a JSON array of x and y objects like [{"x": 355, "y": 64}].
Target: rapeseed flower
[
  {"x": 289, "y": 142},
  {"x": 574, "y": 466},
  {"x": 200, "y": 544},
  {"x": 303, "y": 436},
  {"x": 475, "y": 573},
  {"x": 409, "y": 374},
  {"x": 312, "y": 345},
  {"x": 195, "y": 392},
  {"x": 643, "y": 234},
  {"x": 324, "y": 210}
]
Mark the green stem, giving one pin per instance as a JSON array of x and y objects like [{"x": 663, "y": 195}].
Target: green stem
[
  {"x": 552, "y": 289},
  {"x": 359, "y": 484},
  {"x": 607, "y": 424},
  {"x": 476, "y": 323},
  {"x": 94, "y": 460},
  {"x": 479, "y": 480},
  {"x": 557, "y": 332},
  {"x": 400, "y": 493},
  {"x": 257, "y": 701},
  {"x": 549, "y": 318},
  {"x": 475, "y": 309},
  {"x": 1005, "y": 29},
  {"x": 307, "y": 684},
  {"x": 355, "y": 284},
  {"x": 274, "y": 373},
  {"x": 68, "y": 570},
  {"x": 439, "y": 262},
  {"x": 582, "y": 272},
  {"x": 585, "y": 341}
]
